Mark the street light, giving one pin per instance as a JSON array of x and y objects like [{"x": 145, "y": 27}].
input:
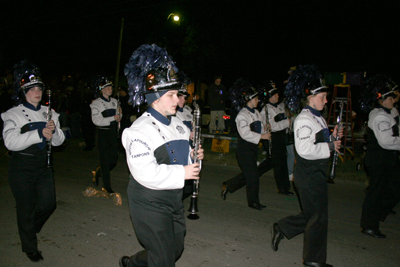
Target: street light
[{"x": 174, "y": 17}]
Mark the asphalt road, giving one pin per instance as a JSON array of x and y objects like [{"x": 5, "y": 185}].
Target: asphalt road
[{"x": 89, "y": 231}]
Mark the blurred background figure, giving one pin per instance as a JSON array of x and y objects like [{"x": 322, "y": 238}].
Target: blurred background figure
[{"x": 217, "y": 95}]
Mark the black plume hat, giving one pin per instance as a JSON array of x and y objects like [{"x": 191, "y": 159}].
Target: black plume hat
[
  {"x": 305, "y": 80},
  {"x": 241, "y": 93},
  {"x": 26, "y": 76},
  {"x": 151, "y": 72},
  {"x": 374, "y": 88},
  {"x": 99, "y": 83}
]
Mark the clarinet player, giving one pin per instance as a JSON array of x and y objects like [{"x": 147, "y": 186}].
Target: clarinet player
[
  {"x": 25, "y": 134},
  {"x": 279, "y": 127},
  {"x": 159, "y": 159},
  {"x": 382, "y": 156},
  {"x": 314, "y": 145},
  {"x": 106, "y": 115}
]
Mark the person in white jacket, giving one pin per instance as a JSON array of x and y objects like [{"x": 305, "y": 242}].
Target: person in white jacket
[
  {"x": 106, "y": 114},
  {"x": 26, "y": 133},
  {"x": 251, "y": 131},
  {"x": 381, "y": 161},
  {"x": 159, "y": 159},
  {"x": 314, "y": 145}
]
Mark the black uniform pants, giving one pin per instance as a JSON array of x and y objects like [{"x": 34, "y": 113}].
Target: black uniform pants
[
  {"x": 383, "y": 193},
  {"x": 246, "y": 155},
  {"x": 279, "y": 158},
  {"x": 32, "y": 185},
  {"x": 108, "y": 150},
  {"x": 159, "y": 223},
  {"x": 239, "y": 180},
  {"x": 313, "y": 220}
]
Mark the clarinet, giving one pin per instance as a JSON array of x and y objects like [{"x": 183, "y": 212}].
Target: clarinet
[
  {"x": 193, "y": 210},
  {"x": 118, "y": 113},
  {"x": 269, "y": 142},
  {"x": 48, "y": 118},
  {"x": 331, "y": 175}
]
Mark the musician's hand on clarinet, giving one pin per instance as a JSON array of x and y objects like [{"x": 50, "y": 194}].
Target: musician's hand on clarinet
[
  {"x": 334, "y": 133},
  {"x": 266, "y": 136},
  {"x": 47, "y": 133},
  {"x": 192, "y": 171},
  {"x": 50, "y": 125},
  {"x": 337, "y": 145},
  {"x": 117, "y": 118},
  {"x": 200, "y": 153}
]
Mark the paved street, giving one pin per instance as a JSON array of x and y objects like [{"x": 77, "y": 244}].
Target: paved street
[{"x": 89, "y": 231}]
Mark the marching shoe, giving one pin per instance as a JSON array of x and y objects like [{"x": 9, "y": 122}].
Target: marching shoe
[
  {"x": 257, "y": 206},
  {"x": 285, "y": 192},
  {"x": 110, "y": 191},
  {"x": 224, "y": 191},
  {"x": 373, "y": 233},
  {"x": 35, "y": 256},
  {"x": 316, "y": 264},
  {"x": 277, "y": 236},
  {"x": 123, "y": 261},
  {"x": 392, "y": 212}
]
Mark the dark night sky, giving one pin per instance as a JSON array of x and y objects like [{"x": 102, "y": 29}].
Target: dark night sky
[{"x": 253, "y": 39}]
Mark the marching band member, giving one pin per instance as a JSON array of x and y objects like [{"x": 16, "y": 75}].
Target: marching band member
[
  {"x": 314, "y": 146},
  {"x": 106, "y": 117},
  {"x": 279, "y": 127},
  {"x": 183, "y": 111},
  {"x": 251, "y": 131},
  {"x": 382, "y": 156},
  {"x": 159, "y": 159},
  {"x": 25, "y": 133}
]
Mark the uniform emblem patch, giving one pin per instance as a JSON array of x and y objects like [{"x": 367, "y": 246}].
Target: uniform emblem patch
[
  {"x": 180, "y": 129},
  {"x": 45, "y": 115}
]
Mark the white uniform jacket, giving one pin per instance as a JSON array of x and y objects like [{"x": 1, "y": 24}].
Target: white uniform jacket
[
  {"x": 276, "y": 116},
  {"x": 185, "y": 116},
  {"x": 249, "y": 125},
  {"x": 311, "y": 135},
  {"x": 103, "y": 111},
  {"x": 23, "y": 127},
  {"x": 382, "y": 124},
  {"x": 156, "y": 150}
]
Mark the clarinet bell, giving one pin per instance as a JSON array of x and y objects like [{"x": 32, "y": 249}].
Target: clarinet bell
[{"x": 193, "y": 210}]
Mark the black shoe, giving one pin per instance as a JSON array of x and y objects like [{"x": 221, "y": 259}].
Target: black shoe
[
  {"x": 110, "y": 191},
  {"x": 277, "y": 236},
  {"x": 373, "y": 233},
  {"x": 96, "y": 175},
  {"x": 88, "y": 148},
  {"x": 392, "y": 212},
  {"x": 123, "y": 261},
  {"x": 330, "y": 180},
  {"x": 35, "y": 256},
  {"x": 285, "y": 192},
  {"x": 257, "y": 206},
  {"x": 224, "y": 191},
  {"x": 316, "y": 264}
]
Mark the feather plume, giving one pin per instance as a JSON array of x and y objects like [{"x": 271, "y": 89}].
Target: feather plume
[
  {"x": 303, "y": 77},
  {"x": 237, "y": 93},
  {"x": 145, "y": 58},
  {"x": 372, "y": 87}
]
